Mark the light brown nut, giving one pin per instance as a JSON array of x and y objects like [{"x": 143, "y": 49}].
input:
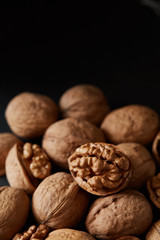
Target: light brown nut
[
  {"x": 69, "y": 234},
  {"x": 142, "y": 162},
  {"x": 14, "y": 207},
  {"x": 84, "y": 101},
  {"x": 122, "y": 214},
  {"x": 58, "y": 202},
  {"x": 100, "y": 168},
  {"x": 33, "y": 233},
  {"x": 26, "y": 165},
  {"x": 29, "y": 114},
  {"x": 63, "y": 137},
  {"x": 128, "y": 238},
  {"x": 156, "y": 148},
  {"x": 154, "y": 232},
  {"x": 7, "y": 140},
  {"x": 153, "y": 187},
  {"x": 132, "y": 123}
]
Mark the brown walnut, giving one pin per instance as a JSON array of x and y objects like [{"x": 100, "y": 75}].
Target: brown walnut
[
  {"x": 100, "y": 168},
  {"x": 7, "y": 140},
  {"x": 63, "y": 137},
  {"x": 118, "y": 215},
  {"x": 29, "y": 114},
  {"x": 14, "y": 209},
  {"x": 142, "y": 162},
  {"x": 84, "y": 101},
  {"x": 154, "y": 232},
  {"x": 132, "y": 123},
  {"x": 33, "y": 233},
  {"x": 156, "y": 148},
  {"x": 58, "y": 202},
  {"x": 69, "y": 234},
  {"x": 26, "y": 165},
  {"x": 153, "y": 187}
]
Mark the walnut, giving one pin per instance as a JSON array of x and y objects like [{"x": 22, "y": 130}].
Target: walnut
[
  {"x": 100, "y": 168},
  {"x": 58, "y": 202},
  {"x": 69, "y": 234},
  {"x": 29, "y": 114},
  {"x": 156, "y": 148},
  {"x": 7, "y": 140},
  {"x": 14, "y": 207},
  {"x": 142, "y": 162},
  {"x": 33, "y": 233},
  {"x": 154, "y": 232},
  {"x": 153, "y": 187},
  {"x": 122, "y": 214},
  {"x": 63, "y": 137},
  {"x": 84, "y": 101},
  {"x": 132, "y": 123},
  {"x": 26, "y": 165}
]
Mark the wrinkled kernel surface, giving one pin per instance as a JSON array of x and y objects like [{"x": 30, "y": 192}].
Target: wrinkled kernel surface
[
  {"x": 40, "y": 165},
  {"x": 153, "y": 186},
  {"x": 101, "y": 166},
  {"x": 33, "y": 234}
]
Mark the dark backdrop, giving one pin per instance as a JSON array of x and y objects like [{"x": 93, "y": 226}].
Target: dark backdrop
[{"x": 47, "y": 48}]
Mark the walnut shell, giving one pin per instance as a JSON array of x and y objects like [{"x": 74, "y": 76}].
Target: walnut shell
[
  {"x": 14, "y": 210},
  {"x": 132, "y": 123},
  {"x": 7, "y": 140},
  {"x": 58, "y": 202},
  {"x": 84, "y": 101},
  {"x": 154, "y": 232},
  {"x": 29, "y": 114},
  {"x": 153, "y": 187},
  {"x": 63, "y": 137},
  {"x": 118, "y": 215},
  {"x": 26, "y": 167},
  {"x": 142, "y": 162},
  {"x": 156, "y": 148},
  {"x": 100, "y": 168},
  {"x": 69, "y": 234}
]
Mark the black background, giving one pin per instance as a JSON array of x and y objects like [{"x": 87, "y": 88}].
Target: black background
[{"x": 49, "y": 47}]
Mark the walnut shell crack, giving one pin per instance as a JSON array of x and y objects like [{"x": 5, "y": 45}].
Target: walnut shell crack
[
  {"x": 29, "y": 114},
  {"x": 100, "y": 168},
  {"x": 26, "y": 165}
]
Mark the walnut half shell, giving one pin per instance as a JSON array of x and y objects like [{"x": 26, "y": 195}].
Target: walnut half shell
[
  {"x": 100, "y": 168},
  {"x": 26, "y": 165}
]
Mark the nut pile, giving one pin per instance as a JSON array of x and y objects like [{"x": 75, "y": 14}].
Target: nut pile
[{"x": 94, "y": 175}]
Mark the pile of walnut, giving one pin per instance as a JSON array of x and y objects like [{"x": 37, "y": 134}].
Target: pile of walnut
[{"x": 94, "y": 175}]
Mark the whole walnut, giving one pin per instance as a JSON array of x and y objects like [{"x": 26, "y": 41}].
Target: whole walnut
[
  {"x": 132, "y": 123},
  {"x": 84, "y": 101},
  {"x": 122, "y": 214},
  {"x": 142, "y": 162},
  {"x": 26, "y": 166},
  {"x": 14, "y": 210},
  {"x": 58, "y": 201},
  {"x": 69, "y": 234},
  {"x": 7, "y": 140},
  {"x": 29, "y": 114},
  {"x": 63, "y": 137}
]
